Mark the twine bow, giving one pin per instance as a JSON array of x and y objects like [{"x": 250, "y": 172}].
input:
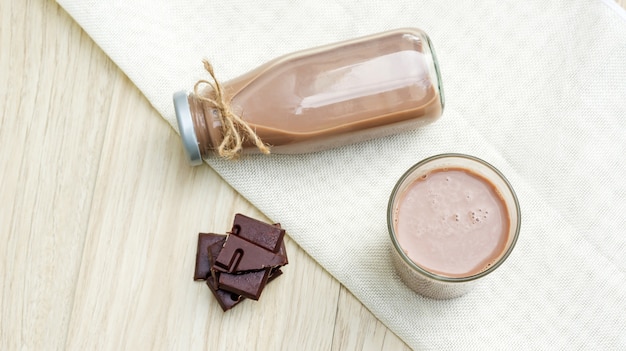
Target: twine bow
[{"x": 234, "y": 129}]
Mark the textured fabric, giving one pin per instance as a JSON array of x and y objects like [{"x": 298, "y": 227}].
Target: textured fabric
[{"x": 537, "y": 88}]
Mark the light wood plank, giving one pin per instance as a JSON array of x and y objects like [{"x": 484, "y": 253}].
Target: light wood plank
[
  {"x": 356, "y": 328},
  {"x": 51, "y": 134}
]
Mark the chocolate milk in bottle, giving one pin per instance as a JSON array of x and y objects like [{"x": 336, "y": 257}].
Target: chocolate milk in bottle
[{"x": 323, "y": 97}]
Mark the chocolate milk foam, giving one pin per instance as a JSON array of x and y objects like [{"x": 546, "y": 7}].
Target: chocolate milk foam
[{"x": 452, "y": 223}]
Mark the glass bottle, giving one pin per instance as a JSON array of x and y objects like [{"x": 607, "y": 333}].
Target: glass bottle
[{"x": 323, "y": 97}]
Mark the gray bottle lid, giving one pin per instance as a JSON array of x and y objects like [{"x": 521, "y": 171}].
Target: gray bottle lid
[{"x": 186, "y": 128}]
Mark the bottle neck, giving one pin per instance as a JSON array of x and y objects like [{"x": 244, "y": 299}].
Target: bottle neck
[{"x": 206, "y": 127}]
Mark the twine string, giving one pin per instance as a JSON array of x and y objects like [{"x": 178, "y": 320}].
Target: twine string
[{"x": 235, "y": 130}]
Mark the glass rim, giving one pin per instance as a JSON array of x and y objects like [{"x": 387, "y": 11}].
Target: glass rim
[{"x": 416, "y": 267}]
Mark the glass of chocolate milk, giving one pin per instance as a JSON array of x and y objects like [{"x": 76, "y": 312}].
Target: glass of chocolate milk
[{"x": 452, "y": 219}]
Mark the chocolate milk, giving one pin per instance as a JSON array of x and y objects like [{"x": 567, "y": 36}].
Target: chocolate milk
[
  {"x": 329, "y": 96},
  {"x": 452, "y": 222}
]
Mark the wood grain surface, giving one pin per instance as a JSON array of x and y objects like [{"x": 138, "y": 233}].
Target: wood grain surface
[{"x": 99, "y": 215}]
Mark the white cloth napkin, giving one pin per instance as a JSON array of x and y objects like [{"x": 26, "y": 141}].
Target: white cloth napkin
[{"x": 538, "y": 88}]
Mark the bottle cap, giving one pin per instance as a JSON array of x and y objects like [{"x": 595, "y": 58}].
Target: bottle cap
[{"x": 186, "y": 128}]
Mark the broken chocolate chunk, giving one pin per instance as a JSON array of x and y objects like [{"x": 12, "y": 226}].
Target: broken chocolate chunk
[
  {"x": 240, "y": 265},
  {"x": 281, "y": 249},
  {"x": 239, "y": 255},
  {"x": 265, "y": 235},
  {"x": 203, "y": 263},
  {"x": 275, "y": 273},
  {"x": 248, "y": 285},
  {"x": 226, "y": 299},
  {"x": 214, "y": 251}
]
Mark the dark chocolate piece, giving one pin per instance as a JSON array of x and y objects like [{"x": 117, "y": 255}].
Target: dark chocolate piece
[
  {"x": 265, "y": 235},
  {"x": 275, "y": 273},
  {"x": 240, "y": 265},
  {"x": 281, "y": 249},
  {"x": 226, "y": 299},
  {"x": 239, "y": 255},
  {"x": 215, "y": 248},
  {"x": 214, "y": 251},
  {"x": 203, "y": 263},
  {"x": 248, "y": 285}
]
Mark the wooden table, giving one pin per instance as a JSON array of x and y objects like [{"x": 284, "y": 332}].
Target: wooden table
[{"x": 99, "y": 215}]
